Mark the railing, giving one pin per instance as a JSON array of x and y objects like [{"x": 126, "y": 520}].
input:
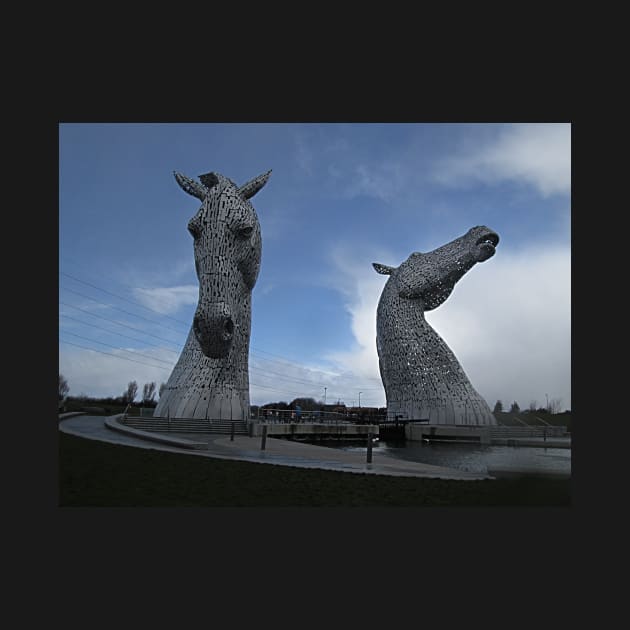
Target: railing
[
  {"x": 543, "y": 421},
  {"x": 286, "y": 416},
  {"x": 521, "y": 421}
]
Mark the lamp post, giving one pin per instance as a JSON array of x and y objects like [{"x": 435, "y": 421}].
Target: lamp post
[
  {"x": 360, "y": 399},
  {"x": 325, "y": 388},
  {"x": 547, "y": 395}
]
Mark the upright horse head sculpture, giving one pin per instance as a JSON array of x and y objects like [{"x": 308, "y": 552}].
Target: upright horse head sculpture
[
  {"x": 421, "y": 376},
  {"x": 211, "y": 377}
]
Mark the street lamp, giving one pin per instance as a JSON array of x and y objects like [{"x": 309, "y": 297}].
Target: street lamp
[
  {"x": 360, "y": 399},
  {"x": 547, "y": 395},
  {"x": 325, "y": 388}
]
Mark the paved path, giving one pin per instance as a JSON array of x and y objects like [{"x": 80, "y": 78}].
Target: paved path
[
  {"x": 550, "y": 442},
  {"x": 277, "y": 451}
]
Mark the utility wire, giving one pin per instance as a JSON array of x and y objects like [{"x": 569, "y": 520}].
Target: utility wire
[
  {"x": 159, "y": 367},
  {"x": 122, "y": 310},
  {"x": 117, "y": 333},
  {"x": 291, "y": 378},
  {"x": 312, "y": 384},
  {"x": 122, "y": 284},
  {"x": 253, "y": 350},
  {"x": 67, "y": 332},
  {"x": 121, "y": 324},
  {"x": 123, "y": 298},
  {"x": 336, "y": 377}
]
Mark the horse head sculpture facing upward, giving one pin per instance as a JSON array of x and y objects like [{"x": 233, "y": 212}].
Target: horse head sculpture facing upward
[
  {"x": 422, "y": 378},
  {"x": 211, "y": 379}
]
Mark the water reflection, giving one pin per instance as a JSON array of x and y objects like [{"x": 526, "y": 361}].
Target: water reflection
[{"x": 470, "y": 457}]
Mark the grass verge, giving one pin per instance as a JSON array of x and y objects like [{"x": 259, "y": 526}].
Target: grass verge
[{"x": 93, "y": 473}]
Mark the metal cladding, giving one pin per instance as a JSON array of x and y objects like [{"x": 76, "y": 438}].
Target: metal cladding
[
  {"x": 211, "y": 378},
  {"x": 422, "y": 378}
]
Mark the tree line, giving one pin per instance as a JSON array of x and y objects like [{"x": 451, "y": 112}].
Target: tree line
[
  {"x": 127, "y": 397},
  {"x": 554, "y": 406},
  {"x": 149, "y": 391},
  {"x": 310, "y": 404}
]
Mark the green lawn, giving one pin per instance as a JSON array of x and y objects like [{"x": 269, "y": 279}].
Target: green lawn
[
  {"x": 531, "y": 419},
  {"x": 95, "y": 473}
]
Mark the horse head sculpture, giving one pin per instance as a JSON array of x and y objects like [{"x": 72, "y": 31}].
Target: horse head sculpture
[
  {"x": 210, "y": 379},
  {"x": 422, "y": 378}
]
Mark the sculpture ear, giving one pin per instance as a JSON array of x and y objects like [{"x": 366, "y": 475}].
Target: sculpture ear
[
  {"x": 191, "y": 186},
  {"x": 249, "y": 189},
  {"x": 384, "y": 269}
]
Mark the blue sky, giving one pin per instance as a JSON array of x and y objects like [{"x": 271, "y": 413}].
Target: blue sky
[{"x": 340, "y": 197}]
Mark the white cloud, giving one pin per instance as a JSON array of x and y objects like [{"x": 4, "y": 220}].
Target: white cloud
[
  {"x": 172, "y": 272},
  {"x": 361, "y": 287},
  {"x": 303, "y": 154},
  {"x": 536, "y": 154},
  {"x": 507, "y": 321},
  {"x": 101, "y": 375},
  {"x": 347, "y": 171},
  {"x": 265, "y": 288},
  {"x": 272, "y": 379},
  {"x": 382, "y": 181},
  {"x": 166, "y": 300}
]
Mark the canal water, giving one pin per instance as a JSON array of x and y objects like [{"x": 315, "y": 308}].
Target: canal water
[{"x": 493, "y": 460}]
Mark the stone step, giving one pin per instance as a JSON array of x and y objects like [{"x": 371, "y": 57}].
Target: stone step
[
  {"x": 186, "y": 425},
  {"x": 509, "y": 432}
]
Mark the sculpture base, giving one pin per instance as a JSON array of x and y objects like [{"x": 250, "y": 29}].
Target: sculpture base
[
  {"x": 474, "y": 412},
  {"x": 421, "y": 432}
]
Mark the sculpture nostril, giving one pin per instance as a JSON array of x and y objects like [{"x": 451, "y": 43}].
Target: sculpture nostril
[{"x": 229, "y": 326}]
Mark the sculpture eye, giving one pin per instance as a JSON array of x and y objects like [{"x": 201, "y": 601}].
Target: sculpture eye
[{"x": 245, "y": 232}]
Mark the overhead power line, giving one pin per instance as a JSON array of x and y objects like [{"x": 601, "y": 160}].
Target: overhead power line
[
  {"x": 120, "y": 297},
  {"x": 159, "y": 367},
  {"x": 253, "y": 351},
  {"x": 121, "y": 324},
  {"x": 74, "y": 319},
  {"x": 109, "y": 345},
  {"x": 281, "y": 391},
  {"x": 312, "y": 385},
  {"x": 334, "y": 376},
  {"x": 122, "y": 310},
  {"x": 74, "y": 263}
]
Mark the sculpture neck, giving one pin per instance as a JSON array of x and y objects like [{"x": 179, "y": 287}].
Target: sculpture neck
[
  {"x": 418, "y": 336},
  {"x": 422, "y": 377}
]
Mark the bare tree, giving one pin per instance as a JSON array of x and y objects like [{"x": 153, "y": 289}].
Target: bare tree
[
  {"x": 533, "y": 405},
  {"x": 306, "y": 404},
  {"x": 498, "y": 407},
  {"x": 131, "y": 393},
  {"x": 554, "y": 405},
  {"x": 515, "y": 408},
  {"x": 63, "y": 387},
  {"x": 148, "y": 393}
]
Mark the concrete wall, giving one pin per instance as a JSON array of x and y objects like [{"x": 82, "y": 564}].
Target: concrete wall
[{"x": 416, "y": 432}]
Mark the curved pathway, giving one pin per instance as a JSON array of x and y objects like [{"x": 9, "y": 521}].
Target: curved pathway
[{"x": 277, "y": 451}]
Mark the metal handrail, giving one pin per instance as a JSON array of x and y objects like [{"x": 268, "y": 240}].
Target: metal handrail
[{"x": 272, "y": 416}]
